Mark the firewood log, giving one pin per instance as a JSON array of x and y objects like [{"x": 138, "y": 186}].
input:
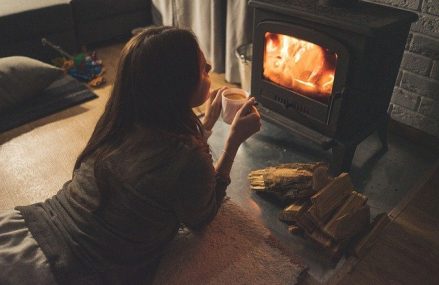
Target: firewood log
[
  {"x": 351, "y": 224},
  {"x": 290, "y": 213},
  {"x": 291, "y": 181},
  {"x": 336, "y": 250},
  {"x": 277, "y": 179},
  {"x": 346, "y": 220},
  {"x": 298, "y": 192},
  {"x": 295, "y": 230},
  {"x": 330, "y": 197},
  {"x": 320, "y": 238},
  {"x": 305, "y": 222}
]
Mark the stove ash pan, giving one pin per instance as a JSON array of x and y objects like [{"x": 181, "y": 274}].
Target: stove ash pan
[{"x": 327, "y": 73}]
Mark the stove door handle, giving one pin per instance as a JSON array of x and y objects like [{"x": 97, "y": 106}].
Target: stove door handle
[{"x": 341, "y": 93}]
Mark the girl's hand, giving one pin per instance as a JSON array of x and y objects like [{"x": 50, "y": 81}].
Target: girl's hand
[
  {"x": 213, "y": 108},
  {"x": 247, "y": 122}
]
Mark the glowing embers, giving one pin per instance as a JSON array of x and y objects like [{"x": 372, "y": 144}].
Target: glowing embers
[{"x": 299, "y": 65}]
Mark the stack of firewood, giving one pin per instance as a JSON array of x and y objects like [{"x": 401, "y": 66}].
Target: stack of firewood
[{"x": 326, "y": 209}]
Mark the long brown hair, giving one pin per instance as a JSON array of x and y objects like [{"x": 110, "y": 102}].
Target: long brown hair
[{"x": 158, "y": 72}]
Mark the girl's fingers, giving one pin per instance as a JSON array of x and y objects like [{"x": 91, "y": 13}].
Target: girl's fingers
[
  {"x": 221, "y": 90},
  {"x": 218, "y": 94},
  {"x": 256, "y": 112},
  {"x": 213, "y": 94},
  {"x": 248, "y": 107}
]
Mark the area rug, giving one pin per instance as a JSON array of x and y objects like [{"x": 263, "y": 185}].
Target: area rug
[
  {"x": 61, "y": 94},
  {"x": 233, "y": 249}
]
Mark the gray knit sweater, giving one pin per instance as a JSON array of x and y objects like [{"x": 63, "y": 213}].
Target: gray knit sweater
[{"x": 153, "y": 184}]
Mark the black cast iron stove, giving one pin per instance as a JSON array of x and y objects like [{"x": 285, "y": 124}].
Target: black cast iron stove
[{"x": 327, "y": 72}]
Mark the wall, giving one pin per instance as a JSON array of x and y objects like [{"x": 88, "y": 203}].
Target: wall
[{"x": 415, "y": 100}]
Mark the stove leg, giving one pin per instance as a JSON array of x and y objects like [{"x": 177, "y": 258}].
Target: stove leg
[
  {"x": 382, "y": 132},
  {"x": 342, "y": 155}
]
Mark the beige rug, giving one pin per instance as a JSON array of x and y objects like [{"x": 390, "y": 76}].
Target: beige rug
[{"x": 233, "y": 249}]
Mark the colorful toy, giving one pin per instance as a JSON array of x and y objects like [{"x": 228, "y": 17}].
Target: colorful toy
[{"x": 86, "y": 68}]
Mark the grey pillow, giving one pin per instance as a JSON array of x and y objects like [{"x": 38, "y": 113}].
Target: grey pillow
[{"x": 22, "y": 78}]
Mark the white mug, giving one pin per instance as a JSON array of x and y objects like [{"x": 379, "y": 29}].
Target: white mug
[{"x": 232, "y": 101}]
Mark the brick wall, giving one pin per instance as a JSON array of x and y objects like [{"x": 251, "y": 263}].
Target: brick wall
[{"x": 415, "y": 100}]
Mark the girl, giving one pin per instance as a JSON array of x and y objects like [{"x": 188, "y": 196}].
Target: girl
[{"x": 145, "y": 170}]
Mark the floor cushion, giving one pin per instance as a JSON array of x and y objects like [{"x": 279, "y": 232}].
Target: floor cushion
[
  {"x": 63, "y": 93},
  {"x": 22, "y": 78}
]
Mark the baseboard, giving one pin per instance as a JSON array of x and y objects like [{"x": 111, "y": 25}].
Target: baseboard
[{"x": 414, "y": 135}]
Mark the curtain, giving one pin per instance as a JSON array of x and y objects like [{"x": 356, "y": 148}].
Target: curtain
[{"x": 220, "y": 25}]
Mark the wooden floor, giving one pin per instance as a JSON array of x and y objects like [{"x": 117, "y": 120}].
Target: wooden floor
[{"x": 37, "y": 158}]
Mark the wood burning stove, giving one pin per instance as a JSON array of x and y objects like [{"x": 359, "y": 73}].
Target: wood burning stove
[{"x": 327, "y": 72}]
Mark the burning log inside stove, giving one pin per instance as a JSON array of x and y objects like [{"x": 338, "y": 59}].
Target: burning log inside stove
[
  {"x": 301, "y": 66},
  {"x": 327, "y": 210}
]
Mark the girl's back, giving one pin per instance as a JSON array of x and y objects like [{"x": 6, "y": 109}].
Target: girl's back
[{"x": 120, "y": 229}]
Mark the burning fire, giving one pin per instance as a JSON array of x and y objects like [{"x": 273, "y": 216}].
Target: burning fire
[{"x": 299, "y": 65}]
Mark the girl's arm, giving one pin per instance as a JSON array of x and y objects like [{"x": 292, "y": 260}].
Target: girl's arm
[
  {"x": 199, "y": 191},
  {"x": 202, "y": 188}
]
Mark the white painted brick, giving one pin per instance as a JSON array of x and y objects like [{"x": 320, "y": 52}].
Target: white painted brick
[
  {"x": 405, "y": 99},
  {"x": 409, "y": 41},
  {"x": 429, "y": 108},
  {"x": 427, "y": 46},
  {"x": 431, "y": 7},
  {"x": 427, "y": 25},
  {"x": 435, "y": 70},
  {"x": 416, "y": 63},
  {"x": 415, "y": 99},
  {"x": 415, "y": 120},
  {"x": 406, "y": 4},
  {"x": 398, "y": 78},
  {"x": 420, "y": 85}
]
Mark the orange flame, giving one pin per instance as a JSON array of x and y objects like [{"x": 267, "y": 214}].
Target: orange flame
[{"x": 299, "y": 65}]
